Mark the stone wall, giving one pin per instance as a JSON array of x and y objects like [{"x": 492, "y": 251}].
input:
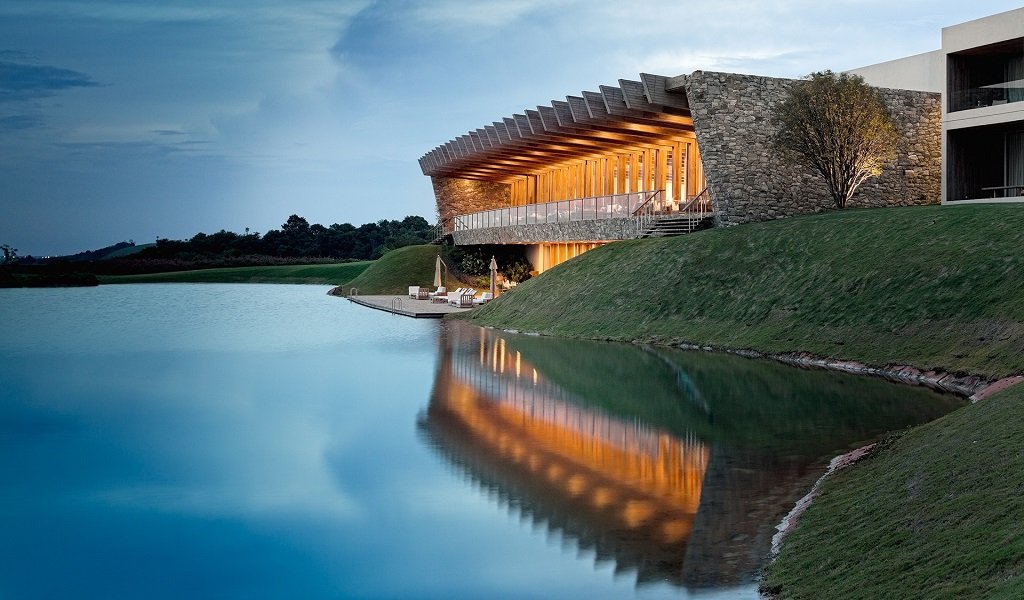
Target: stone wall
[
  {"x": 732, "y": 117},
  {"x": 572, "y": 231},
  {"x": 464, "y": 196}
]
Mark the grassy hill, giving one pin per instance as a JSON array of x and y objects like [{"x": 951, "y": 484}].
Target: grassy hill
[
  {"x": 394, "y": 272},
  {"x": 128, "y": 251},
  {"x": 327, "y": 274},
  {"x": 936, "y": 515},
  {"x": 925, "y": 286}
]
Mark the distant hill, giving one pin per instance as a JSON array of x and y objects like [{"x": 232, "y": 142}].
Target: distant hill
[
  {"x": 118, "y": 250},
  {"x": 125, "y": 251}
]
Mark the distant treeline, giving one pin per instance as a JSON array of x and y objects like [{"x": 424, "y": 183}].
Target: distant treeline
[
  {"x": 296, "y": 242},
  {"x": 297, "y": 239}
]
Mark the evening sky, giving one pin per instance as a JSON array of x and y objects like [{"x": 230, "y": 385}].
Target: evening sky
[{"x": 162, "y": 118}]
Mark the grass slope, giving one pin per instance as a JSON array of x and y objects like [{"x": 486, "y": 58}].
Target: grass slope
[
  {"x": 936, "y": 515},
  {"x": 327, "y": 274},
  {"x": 394, "y": 272},
  {"x": 123, "y": 252},
  {"x": 926, "y": 286}
]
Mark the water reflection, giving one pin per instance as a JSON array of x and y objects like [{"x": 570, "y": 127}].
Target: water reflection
[{"x": 674, "y": 465}]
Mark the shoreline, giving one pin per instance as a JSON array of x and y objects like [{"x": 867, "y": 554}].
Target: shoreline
[{"x": 970, "y": 386}]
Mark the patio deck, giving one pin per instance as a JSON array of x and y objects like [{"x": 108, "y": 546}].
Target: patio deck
[{"x": 417, "y": 309}]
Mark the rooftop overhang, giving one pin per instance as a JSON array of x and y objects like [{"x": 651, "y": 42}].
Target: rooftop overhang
[{"x": 634, "y": 114}]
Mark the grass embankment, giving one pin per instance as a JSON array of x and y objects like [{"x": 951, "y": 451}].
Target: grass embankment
[
  {"x": 327, "y": 274},
  {"x": 933, "y": 287},
  {"x": 394, "y": 272},
  {"x": 937, "y": 514}
]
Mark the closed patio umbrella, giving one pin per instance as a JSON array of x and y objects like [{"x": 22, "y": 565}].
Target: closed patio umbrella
[
  {"x": 494, "y": 277},
  {"x": 437, "y": 272}
]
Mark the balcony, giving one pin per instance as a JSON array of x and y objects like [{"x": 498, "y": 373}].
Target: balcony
[
  {"x": 595, "y": 219},
  {"x": 986, "y": 76}
]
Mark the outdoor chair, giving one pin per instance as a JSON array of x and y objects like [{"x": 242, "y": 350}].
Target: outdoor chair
[
  {"x": 447, "y": 298},
  {"x": 483, "y": 299},
  {"x": 464, "y": 299}
]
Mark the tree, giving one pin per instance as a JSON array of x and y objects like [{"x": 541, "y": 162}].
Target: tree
[
  {"x": 838, "y": 126},
  {"x": 10, "y": 255}
]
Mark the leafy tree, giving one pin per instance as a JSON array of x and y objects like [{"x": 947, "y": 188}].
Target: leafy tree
[
  {"x": 838, "y": 126},
  {"x": 10, "y": 254},
  {"x": 518, "y": 271}
]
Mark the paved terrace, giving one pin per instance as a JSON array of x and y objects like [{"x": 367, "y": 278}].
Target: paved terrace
[{"x": 404, "y": 305}]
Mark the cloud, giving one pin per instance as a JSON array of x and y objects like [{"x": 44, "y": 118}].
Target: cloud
[
  {"x": 21, "y": 122},
  {"x": 24, "y": 81}
]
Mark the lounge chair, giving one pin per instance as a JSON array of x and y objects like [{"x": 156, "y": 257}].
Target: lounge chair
[
  {"x": 414, "y": 290},
  {"x": 448, "y": 296},
  {"x": 463, "y": 299},
  {"x": 441, "y": 295},
  {"x": 483, "y": 299}
]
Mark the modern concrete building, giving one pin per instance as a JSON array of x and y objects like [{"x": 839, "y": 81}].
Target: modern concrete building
[
  {"x": 979, "y": 70},
  {"x": 662, "y": 154}
]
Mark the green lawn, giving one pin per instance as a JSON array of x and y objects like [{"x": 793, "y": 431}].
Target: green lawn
[
  {"x": 937, "y": 514},
  {"x": 325, "y": 274},
  {"x": 394, "y": 272},
  {"x": 926, "y": 286}
]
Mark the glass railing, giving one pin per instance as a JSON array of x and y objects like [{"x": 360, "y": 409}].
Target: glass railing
[
  {"x": 617, "y": 206},
  {"x": 1005, "y": 92}
]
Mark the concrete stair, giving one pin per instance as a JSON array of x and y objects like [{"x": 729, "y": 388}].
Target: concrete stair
[{"x": 671, "y": 226}]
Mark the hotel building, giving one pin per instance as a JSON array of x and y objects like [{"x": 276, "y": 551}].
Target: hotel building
[{"x": 663, "y": 155}]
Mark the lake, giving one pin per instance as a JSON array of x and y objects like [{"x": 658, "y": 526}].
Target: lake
[{"x": 270, "y": 441}]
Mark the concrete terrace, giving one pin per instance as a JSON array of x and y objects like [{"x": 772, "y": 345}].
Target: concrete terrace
[{"x": 404, "y": 305}]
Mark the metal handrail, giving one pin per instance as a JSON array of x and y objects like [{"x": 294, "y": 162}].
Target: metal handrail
[
  {"x": 396, "y": 305},
  {"x": 644, "y": 214},
  {"x": 703, "y": 205},
  {"x": 353, "y": 291}
]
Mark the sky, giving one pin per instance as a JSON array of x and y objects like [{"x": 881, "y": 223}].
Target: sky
[{"x": 137, "y": 119}]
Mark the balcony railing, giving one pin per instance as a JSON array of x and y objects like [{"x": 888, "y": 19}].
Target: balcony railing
[
  {"x": 618, "y": 206},
  {"x": 1005, "y": 92}
]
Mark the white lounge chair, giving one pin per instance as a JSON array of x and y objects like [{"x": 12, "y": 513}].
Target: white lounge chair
[
  {"x": 414, "y": 290},
  {"x": 441, "y": 291},
  {"x": 448, "y": 296},
  {"x": 463, "y": 299},
  {"x": 483, "y": 299}
]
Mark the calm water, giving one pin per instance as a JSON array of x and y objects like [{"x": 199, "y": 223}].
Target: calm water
[{"x": 274, "y": 442}]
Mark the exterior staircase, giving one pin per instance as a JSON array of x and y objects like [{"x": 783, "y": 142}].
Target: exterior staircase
[{"x": 667, "y": 226}]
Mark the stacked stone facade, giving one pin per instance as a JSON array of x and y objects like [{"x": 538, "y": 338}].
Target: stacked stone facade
[
  {"x": 747, "y": 180},
  {"x": 464, "y": 196},
  {"x": 572, "y": 231}
]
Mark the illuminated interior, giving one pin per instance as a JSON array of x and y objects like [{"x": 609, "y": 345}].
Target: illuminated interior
[
  {"x": 634, "y": 137},
  {"x": 634, "y": 487}
]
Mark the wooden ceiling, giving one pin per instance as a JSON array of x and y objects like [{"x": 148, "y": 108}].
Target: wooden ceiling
[{"x": 635, "y": 114}]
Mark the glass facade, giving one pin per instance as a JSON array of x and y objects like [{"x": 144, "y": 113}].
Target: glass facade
[{"x": 986, "y": 76}]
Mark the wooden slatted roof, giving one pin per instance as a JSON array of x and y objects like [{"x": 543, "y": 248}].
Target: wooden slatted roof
[{"x": 615, "y": 119}]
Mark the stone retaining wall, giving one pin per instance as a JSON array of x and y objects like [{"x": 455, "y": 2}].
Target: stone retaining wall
[
  {"x": 732, "y": 117},
  {"x": 572, "y": 231}
]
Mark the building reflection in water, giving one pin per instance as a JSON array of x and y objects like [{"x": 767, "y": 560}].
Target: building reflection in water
[
  {"x": 625, "y": 489},
  {"x": 658, "y": 500}
]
